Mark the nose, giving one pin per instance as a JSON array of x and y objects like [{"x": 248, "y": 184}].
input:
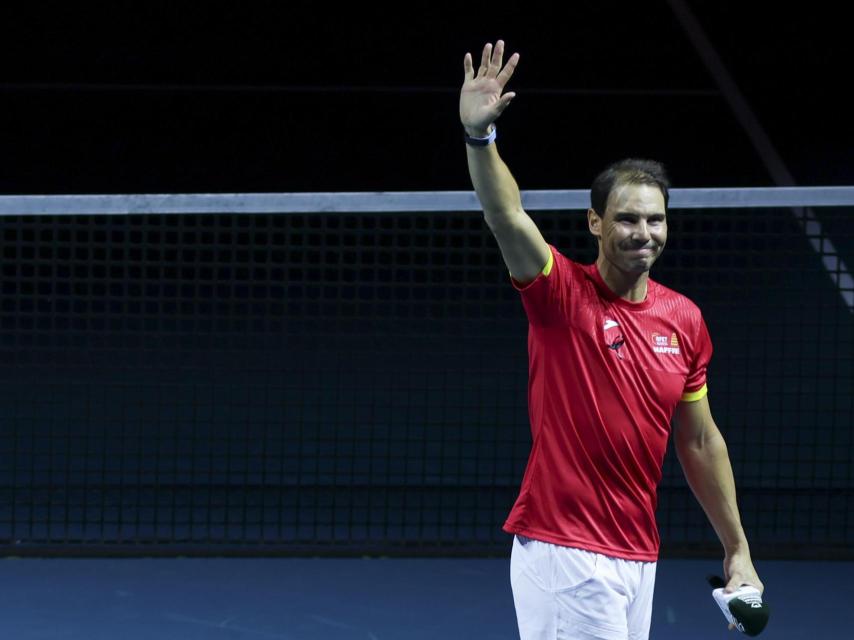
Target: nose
[{"x": 641, "y": 232}]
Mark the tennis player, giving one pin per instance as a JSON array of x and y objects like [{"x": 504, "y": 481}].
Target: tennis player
[{"x": 614, "y": 357}]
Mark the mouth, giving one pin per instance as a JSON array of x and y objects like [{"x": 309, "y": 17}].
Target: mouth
[{"x": 642, "y": 251}]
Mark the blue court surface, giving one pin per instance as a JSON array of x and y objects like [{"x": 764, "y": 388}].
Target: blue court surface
[{"x": 366, "y": 599}]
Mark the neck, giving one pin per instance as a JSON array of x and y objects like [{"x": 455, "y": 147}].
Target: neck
[{"x": 629, "y": 286}]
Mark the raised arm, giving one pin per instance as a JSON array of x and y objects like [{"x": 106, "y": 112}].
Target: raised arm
[
  {"x": 522, "y": 245},
  {"x": 703, "y": 454}
]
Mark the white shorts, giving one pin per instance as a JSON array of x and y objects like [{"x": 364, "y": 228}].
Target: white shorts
[{"x": 563, "y": 593}]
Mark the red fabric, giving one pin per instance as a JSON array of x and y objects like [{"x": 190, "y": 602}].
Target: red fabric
[{"x": 605, "y": 376}]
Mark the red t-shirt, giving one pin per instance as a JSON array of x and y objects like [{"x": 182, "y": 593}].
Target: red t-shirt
[{"x": 605, "y": 376}]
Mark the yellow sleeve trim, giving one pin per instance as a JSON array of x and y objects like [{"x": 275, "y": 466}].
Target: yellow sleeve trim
[
  {"x": 548, "y": 268},
  {"x": 693, "y": 396}
]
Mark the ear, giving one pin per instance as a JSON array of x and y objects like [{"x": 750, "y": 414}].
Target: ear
[{"x": 594, "y": 223}]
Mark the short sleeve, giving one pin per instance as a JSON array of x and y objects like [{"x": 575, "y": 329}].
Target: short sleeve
[
  {"x": 546, "y": 298},
  {"x": 695, "y": 384}
]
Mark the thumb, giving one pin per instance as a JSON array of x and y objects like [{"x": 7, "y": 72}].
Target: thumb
[
  {"x": 733, "y": 584},
  {"x": 504, "y": 102}
]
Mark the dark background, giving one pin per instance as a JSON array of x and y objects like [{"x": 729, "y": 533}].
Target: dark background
[{"x": 303, "y": 96}]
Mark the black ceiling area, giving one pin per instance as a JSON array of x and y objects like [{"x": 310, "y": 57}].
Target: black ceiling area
[{"x": 138, "y": 97}]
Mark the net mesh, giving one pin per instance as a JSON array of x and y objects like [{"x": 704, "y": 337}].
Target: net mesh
[{"x": 333, "y": 383}]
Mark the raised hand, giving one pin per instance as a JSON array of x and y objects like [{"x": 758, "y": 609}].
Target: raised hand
[{"x": 481, "y": 99}]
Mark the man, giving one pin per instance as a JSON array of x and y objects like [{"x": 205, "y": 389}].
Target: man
[{"x": 614, "y": 358}]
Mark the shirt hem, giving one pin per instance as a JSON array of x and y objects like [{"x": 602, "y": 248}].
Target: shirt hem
[{"x": 623, "y": 554}]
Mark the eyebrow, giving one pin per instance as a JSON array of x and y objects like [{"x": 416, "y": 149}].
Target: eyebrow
[{"x": 654, "y": 214}]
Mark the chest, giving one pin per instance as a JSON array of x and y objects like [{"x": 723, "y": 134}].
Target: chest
[{"x": 640, "y": 339}]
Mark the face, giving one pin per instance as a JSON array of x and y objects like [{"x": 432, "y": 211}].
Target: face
[{"x": 633, "y": 231}]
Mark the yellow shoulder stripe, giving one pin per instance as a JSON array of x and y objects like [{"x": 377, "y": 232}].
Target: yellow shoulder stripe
[
  {"x": 548, "y": 268},
  {"x": 693, "y": 396}
]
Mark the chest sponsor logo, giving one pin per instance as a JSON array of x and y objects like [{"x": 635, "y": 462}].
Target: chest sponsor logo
[
  {"x": 614, "y": 339},
  {"x": 662, "y": 343}
]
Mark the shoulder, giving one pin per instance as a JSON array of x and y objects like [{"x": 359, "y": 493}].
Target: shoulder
[
  {"x": 685, "y": 319},
  {"x": 675, "y": 304},
  {"x": 570, "y": 267},
  {"x": 565, "y": 268}
]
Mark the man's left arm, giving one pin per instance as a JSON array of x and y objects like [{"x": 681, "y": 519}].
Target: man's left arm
[{"x": 705, "y": 460}]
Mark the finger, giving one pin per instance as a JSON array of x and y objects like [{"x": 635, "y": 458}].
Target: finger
[
  {"x": 484, "y": 59},
  {"x": 467, "y": 67},
  {"x": 507, "y": 72},
  {"x": 735, "y": 585},
  {"x": 497, "y": 56},
  {"x": 736, "y": 582}
]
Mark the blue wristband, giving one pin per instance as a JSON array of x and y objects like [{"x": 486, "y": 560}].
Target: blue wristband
[{"x": 480, "y": 142}]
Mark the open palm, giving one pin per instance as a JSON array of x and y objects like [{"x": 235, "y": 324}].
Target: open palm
[{"x": 481, "y": 99}]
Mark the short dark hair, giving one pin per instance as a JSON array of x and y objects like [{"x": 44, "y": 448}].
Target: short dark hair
[{"x": 628, "y": 171}]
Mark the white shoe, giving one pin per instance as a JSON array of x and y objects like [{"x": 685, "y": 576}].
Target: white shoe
[{"x": 743, "y": 608}]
